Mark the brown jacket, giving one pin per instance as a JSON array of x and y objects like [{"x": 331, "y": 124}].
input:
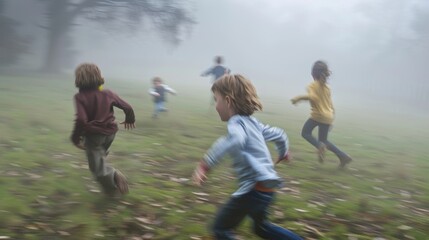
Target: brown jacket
[{"x": 94, "y": 113}]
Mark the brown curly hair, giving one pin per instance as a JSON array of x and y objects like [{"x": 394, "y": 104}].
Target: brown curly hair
[
  {"x": 88, "y": 76},
  {"x": 241, "y": 91}
]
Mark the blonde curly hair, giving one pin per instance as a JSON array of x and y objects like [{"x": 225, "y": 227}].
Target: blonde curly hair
[{"x": 241, "y": 91}]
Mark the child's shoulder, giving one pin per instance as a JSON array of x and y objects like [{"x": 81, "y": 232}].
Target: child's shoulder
[
  {"x": 242, "y": 120},
  {"x": 107, "y": 92}
]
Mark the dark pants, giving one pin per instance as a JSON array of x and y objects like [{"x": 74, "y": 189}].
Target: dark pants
[
  {"x": 307, "y": 129},
  {"x": 255, "y": 205}
]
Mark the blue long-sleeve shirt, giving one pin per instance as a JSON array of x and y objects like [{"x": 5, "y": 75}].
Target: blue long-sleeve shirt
[
  {"x": 217, "y": 72},
  {"x": 246, "y": 142}
]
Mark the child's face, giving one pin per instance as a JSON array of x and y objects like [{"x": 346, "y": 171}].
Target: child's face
[
  {"x": 157, "y": 83},
  {"x": 223, "y": 107}
]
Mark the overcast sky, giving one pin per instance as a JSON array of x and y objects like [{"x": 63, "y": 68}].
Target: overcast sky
[{"x": 372, "y": 46}]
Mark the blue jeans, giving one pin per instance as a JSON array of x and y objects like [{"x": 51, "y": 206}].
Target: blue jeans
[
  {"x": 307, "y": 129},
  {"x": 255, "y": 205},
  {"x": 159, "y": 107}
]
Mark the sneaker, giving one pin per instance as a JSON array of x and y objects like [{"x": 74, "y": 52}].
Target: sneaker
[
  {"x": 344, "y": 160},
  {"x": 321, "y": 152},
  {"x": 121, "y": 182}
]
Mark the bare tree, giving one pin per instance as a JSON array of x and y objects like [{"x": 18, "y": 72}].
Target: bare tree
[{"x": 171, "y": 18}]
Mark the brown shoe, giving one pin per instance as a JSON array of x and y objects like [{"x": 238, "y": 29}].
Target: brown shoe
[
  {"x": 121, "y": 182},
  {"x": 321, "y": 152},
  {"x": 344, "y": 160}
]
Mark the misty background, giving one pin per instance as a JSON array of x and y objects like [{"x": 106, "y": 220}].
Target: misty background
[{"x": 376, "y": 49}]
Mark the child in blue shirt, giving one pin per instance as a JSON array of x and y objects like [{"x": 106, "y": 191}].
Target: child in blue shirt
[
  {"x": 236, "y": 100},
  {"x": 218, "y": 70},
  {"x": 159, "y": 92}
]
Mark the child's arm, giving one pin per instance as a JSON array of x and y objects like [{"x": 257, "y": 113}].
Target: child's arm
[
  {"x": 128, "y": 110},
  {"x": 309, "y": 97},
  {"x": 200, "y": 173},
  {"x": 169, "y": 89},
  {"x": 207, "y": 72},
  {"x": 78, "y": 129},
  {"x": 297, "y": 99},
  {"x": 279, "y": 137},
  {"x": 153, "y": 92},
  {"x": 285, "y": 158},
  {"x": 235, "y": 139}
]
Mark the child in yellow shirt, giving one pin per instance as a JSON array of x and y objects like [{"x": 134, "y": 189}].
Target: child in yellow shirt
[{"x": 322, "y": 113}]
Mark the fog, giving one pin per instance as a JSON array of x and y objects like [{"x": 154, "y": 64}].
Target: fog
[{"x": 376, "y": 49}]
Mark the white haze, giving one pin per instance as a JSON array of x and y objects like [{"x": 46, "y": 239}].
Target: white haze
[{"x": 377, "y": 49}]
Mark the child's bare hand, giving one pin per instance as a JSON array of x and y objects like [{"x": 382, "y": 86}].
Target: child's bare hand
[
  {"x": 80, "y": 146},
  {"x": 199, "y": 175},
  {"x": 286, "y": 158},
  {"x": 128, "y": 126},
  {"x": 294, "y": 101}
]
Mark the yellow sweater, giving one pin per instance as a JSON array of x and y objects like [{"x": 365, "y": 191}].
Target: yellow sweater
[{"x": 319, "y": 95}]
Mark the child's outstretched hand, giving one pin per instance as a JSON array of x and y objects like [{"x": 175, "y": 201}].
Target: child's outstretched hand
[
  {"x": 199, "y": 175},
  {"x": 294, "y": 101},
  {"x": 128, "y": 126},
  {"x": 286, "y": 158}
]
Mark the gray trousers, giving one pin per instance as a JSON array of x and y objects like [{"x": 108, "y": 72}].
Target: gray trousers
[
  {"x": 309, "y": 125},
  {"x": 96, "y": 151}
]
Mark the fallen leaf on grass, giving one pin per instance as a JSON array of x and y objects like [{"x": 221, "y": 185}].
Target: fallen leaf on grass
[
  {"x": 156, "y": 205},
  {"x": 291, "y": 190},
  {"x": 195, "y": 238},
  {"x": 33, "y": 176},
  {"x": 126, "y": 203},
  {"x": 31, "y": 227},
  {"x": 147, "y": 220},
  {"x": 279, "y": 214},
  {"x": 179, "y": 180},
  {"x": 202, "y": 199},
  {"x": 404, "y": 227},
  {"x": 200, "y": 194},
  {"x": 12, "y": 174},
  {"x": 148, "y": 236},
  {"x": 312, "y": 230},
  {"x": 300, "y": 210},
  {"x": 64, "y": 233}
]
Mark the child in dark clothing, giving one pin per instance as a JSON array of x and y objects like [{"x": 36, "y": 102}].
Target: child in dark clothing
[
  {"x": 158, "y": 91},
  {"x": 95, "y": 127}
]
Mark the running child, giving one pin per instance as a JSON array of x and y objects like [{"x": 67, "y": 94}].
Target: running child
[
  {"x": 158, "y": 91},
  {"x": 95, "y": 127},
  {"x": 236, "y": 101},
  {"x": 322, "y": 113}
]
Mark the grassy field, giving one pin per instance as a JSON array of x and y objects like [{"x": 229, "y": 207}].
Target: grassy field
[{"x": 47, "y": 191}]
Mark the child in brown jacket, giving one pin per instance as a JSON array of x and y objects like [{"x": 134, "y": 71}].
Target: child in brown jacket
[{"x": 95, "y": 126}]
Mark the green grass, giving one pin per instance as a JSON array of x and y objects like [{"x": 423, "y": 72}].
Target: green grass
[{"x": 47, "y": 191}]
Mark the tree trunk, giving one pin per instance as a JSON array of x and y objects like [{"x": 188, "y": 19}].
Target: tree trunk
[{"x": 57, "y": 35}]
